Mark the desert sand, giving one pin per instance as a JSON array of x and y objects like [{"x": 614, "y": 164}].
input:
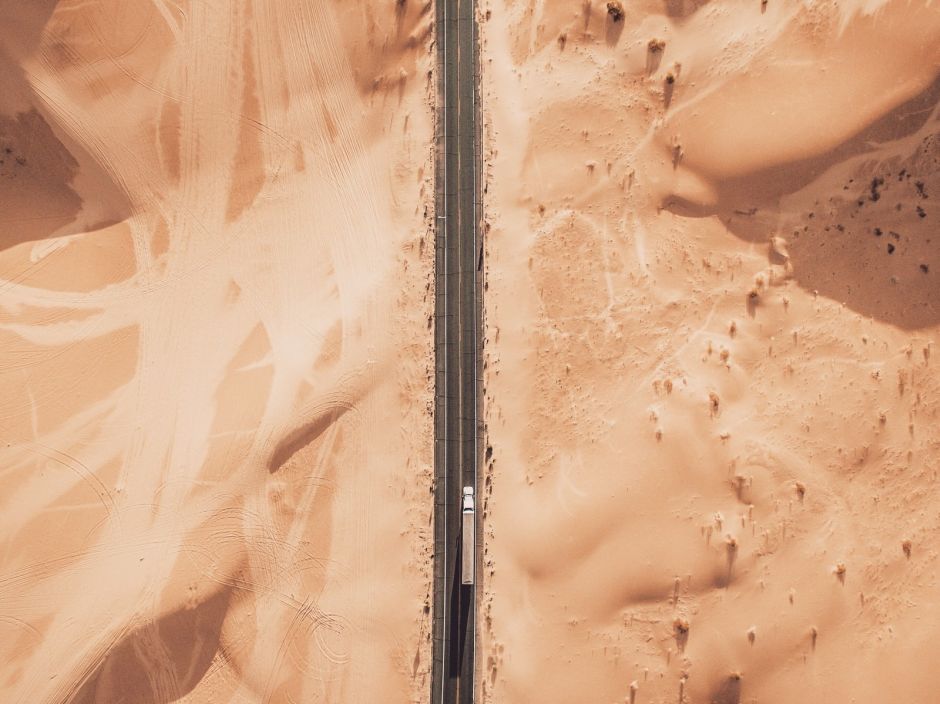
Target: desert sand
[
  {"x": 215, "y": 357},
  {"x": 712, "y": 328}
]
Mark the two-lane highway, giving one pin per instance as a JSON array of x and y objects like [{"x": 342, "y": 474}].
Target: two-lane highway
[{"x": 457, "y": 339}]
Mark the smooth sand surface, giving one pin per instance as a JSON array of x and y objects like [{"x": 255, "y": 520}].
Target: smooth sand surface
[
  {"x": 713, "y": 321},
  {"x": 215, "y": 357}
]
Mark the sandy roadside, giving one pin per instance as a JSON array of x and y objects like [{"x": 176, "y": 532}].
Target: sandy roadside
[
  {"x": 712, "y": 321},
  {"x": 215, "y": 288}
]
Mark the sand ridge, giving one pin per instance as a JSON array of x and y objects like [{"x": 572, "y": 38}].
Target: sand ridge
[
  {"x": 711, "y": 324},
  {"x": 214, "y": 294}
]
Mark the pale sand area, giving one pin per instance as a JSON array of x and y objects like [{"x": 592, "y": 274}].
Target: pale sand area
[
  {"x": 713, "y": 312},
  {"x": 215, "y": 357}
]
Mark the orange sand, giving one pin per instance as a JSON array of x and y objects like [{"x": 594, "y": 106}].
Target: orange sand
[
  {"x": 214, "y": 352},
  {"x": 713, "y": 317}
]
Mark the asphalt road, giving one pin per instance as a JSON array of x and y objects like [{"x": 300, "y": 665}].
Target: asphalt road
[{"x": 457, "y": 340}]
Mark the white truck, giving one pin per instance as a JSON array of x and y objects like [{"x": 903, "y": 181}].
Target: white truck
[{"x": 468, "y": 538}]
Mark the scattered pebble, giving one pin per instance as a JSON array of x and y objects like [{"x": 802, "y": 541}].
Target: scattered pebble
[
  {"x": 680, "y": 629},
  {"x": 839, "y": 571},
  {"x": 615, "y": 10},
  {"x": 714, "y": 401}
]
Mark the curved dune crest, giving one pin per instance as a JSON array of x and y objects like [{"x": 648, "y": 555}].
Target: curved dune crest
[
  {"x": 712, "y": 314},
  {"x": 209, "y": 268}
]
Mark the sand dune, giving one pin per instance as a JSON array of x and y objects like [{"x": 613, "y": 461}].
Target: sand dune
[
  {"x": 712, "y": 321},
  {"x": 214, "y": 293}
]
